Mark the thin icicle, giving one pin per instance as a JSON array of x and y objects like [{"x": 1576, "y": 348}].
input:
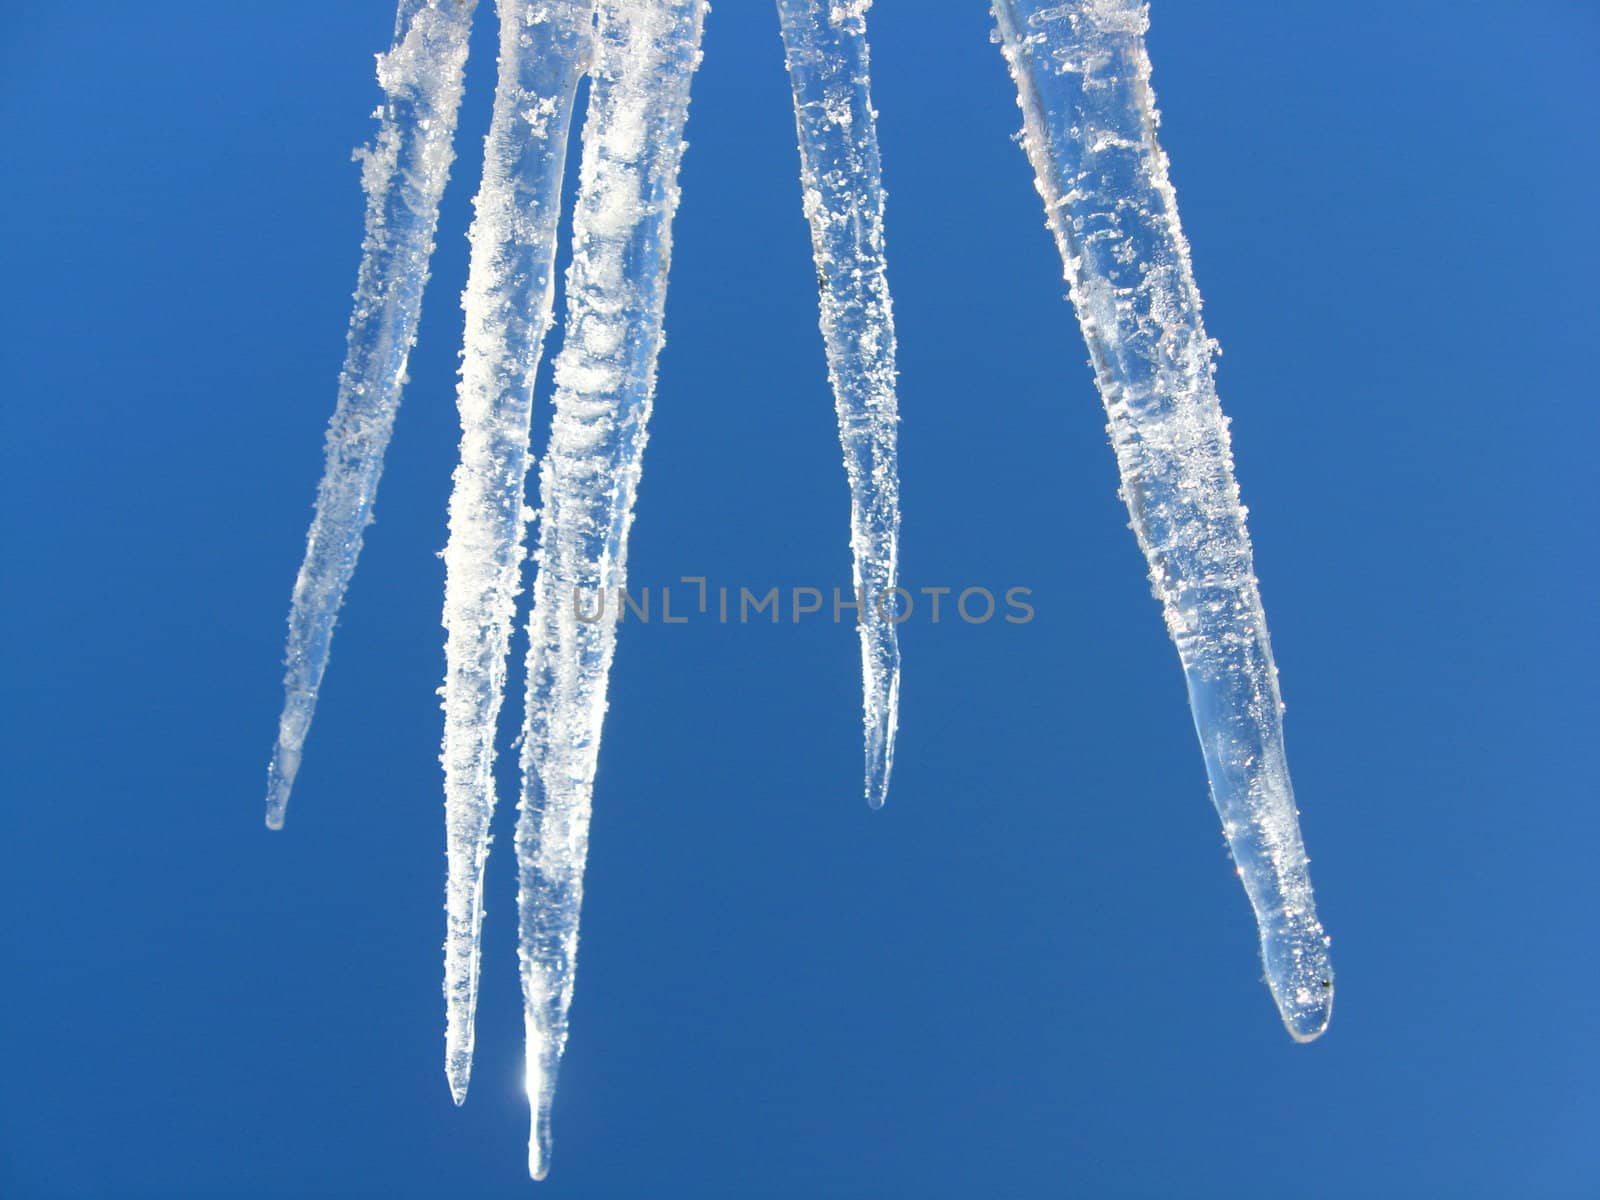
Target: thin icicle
[
  {"x": 544, "y": 50},
  {"x": 403, "y": 173},
  {"x": 1089, "y": 127},
  {"x": 825, "y": 43},
  {"x": 646, "y": 52}
]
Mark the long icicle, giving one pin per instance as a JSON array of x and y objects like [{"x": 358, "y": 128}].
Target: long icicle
[
  {"x": 646, "y": 52},
  {"x": 544, "y": 50},
  {"x": 825, "y": 44},
  {"x": 403, "y": 173},
  {"x": 1089, "y": 127}
]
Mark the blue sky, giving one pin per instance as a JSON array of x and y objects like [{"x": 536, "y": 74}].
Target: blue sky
[{"x": 1033, "y": 973}]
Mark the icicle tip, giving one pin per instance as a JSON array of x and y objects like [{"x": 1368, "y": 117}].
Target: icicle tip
[
  {"x": 1307, "y": 1021},
  {"x": 280, "y": 781},
  {"x": 881, "y": 727}
]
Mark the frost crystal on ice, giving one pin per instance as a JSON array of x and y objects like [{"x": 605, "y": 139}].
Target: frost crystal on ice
[
  {"x": 544, "y": 49},
  {"x": 1089, "y": 127},
  {"x": 646, "y": 52},
  {"x": 825, "y": 46},
  {"x": 403, "y": 173}
]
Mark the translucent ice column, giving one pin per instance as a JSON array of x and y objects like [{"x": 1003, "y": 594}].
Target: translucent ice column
[
  {"x": 403, "y": 173},
  {"x": 1089, "y": 128},
  {"x": 646, "y": 52},
  {"x": 825, "y": 44},
  {"x": 544, "y": 50}
]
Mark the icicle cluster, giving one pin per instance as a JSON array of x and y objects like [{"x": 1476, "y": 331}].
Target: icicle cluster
[{"x": 1089, "y": 128}]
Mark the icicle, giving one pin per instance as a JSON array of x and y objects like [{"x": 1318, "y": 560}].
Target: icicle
[
  {"x": 646, "y": 52},
  {"x": 544, "y": 49},
  {"x": 1089, "y": 127},
  {"x": 825, "y": 43},
  {"x": 403, "y": 174}
]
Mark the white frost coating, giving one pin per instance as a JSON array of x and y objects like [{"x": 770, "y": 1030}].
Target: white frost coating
[
  {"x": 544, "y": 49},
  {"x": 403, "y": 173},
  {"x": 1089, "y": 127},
  {"x": 646, "y": 52},
  {"x": 842, "y": 190}
]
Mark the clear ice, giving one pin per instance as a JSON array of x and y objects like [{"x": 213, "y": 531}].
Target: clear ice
[
  {"x": 645, "y": 55},
  {"x": 403, "y": 174},
  {"x": 825, "y": 44},
  {"x": 1089, "y": 128},
  {"x": 544, "y": 50}
]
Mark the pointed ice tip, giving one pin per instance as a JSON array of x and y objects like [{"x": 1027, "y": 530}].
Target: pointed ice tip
[
  {"x": 458, "y": 1061},
  {"x": 281, "y": 771},
  {"x": 883, "y": 722},
  {"x": 540, "y": 1084},
  {"x": 880, "y": 762},
  {"x": 539, "y": 1150},
  {"x": 877, "y": 791},
  {"x": 1307, "y": 1022},
  {"x": 277, "y": 797}
]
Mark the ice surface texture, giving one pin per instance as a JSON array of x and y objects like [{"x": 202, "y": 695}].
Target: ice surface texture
[
  {"x": 645, "y": 55},
  {"x": 825, "y": 44},
  {"x": 403, "y": 173},
  {"x": 1089, "y": 128},
  {"x": 544, "y": 50}
]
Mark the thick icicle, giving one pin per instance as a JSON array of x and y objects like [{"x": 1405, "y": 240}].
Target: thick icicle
[
  {"x": 646, "y": 52},
  {"x": 544, "y": 49},
  {"x": 1089, "y": 127},
  {"x": 825, "y": 44},
  {"x": 403, "y": 173}
]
